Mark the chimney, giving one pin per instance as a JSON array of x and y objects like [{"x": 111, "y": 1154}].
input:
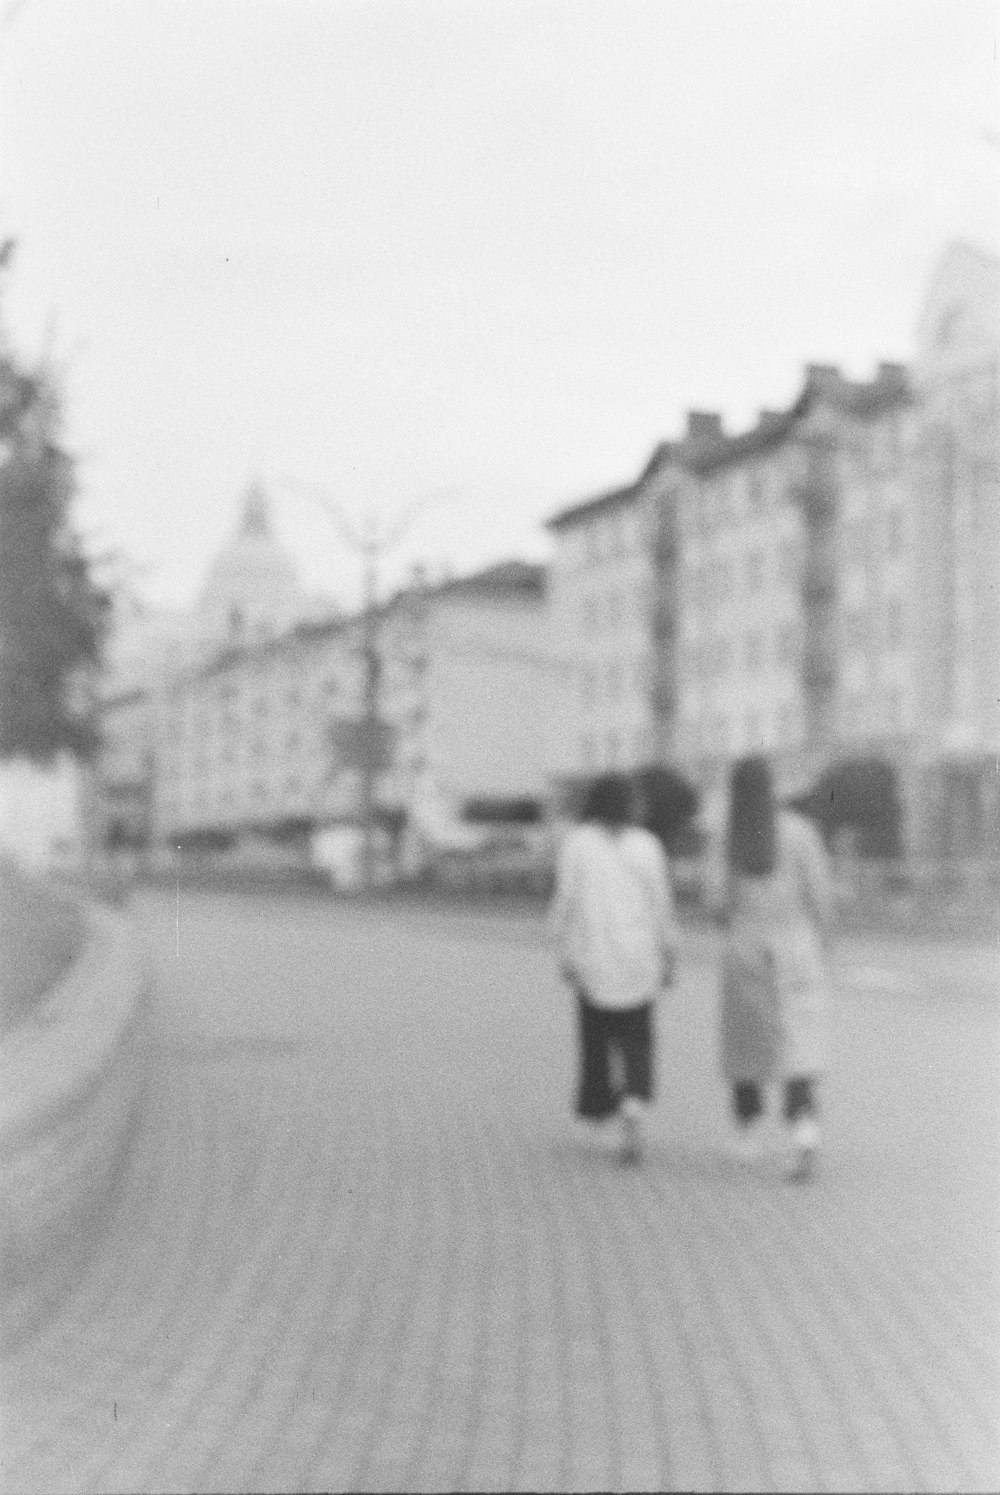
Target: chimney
[
  {"x": 822, "y": 376},
  {"x": 704, "y": 426},
  {"x": 891, "y": 375}
]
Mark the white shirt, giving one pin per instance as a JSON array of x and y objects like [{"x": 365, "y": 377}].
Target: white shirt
[{"x": 613, "y": 913}]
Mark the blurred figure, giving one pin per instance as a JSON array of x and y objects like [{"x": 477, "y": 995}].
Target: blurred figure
[
  {"x": 613, "y": 916},
  {"x": 776, "y": 909}
]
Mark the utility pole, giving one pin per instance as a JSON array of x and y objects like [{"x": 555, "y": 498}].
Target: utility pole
[{"x": 373, "y": 543}]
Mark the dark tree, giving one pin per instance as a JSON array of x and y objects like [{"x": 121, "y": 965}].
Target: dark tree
[
  {"x": 52, "y": 613},
  {"x": 859, "y": 794}
]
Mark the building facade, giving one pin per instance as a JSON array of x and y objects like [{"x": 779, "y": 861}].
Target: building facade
[
  {"x": 823, "y": 586},
  {"x": 273, "y": 738},
  {"x": 957, "y": 557},
  {"x": 601, "y": 623}
]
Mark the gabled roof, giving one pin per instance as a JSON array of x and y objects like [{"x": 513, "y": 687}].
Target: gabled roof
[{"x": 581, "y": 513}]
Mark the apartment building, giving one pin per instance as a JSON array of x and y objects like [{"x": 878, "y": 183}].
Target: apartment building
[
  {"x": 793, "y": 634},
  {"x": 821, "y": 586},
  {"x": 957, "y": 557},
  {"x": 601, "y": 627},
  {"x": 272, "y": 737}
]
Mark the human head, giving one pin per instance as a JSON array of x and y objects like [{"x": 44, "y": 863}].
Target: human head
[
  {"x": 751, "y": 846},
  {"x": 609, "y": 801}
]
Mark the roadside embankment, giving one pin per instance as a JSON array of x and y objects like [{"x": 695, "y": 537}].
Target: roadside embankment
[{"x": 72, "y": 1075}]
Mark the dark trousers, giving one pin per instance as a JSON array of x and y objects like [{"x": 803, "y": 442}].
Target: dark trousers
[
  {"x": 609, "y": 1036},
  {"x": 800, "y": 1100}
]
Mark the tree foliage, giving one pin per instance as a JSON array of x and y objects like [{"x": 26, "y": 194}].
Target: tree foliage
[
  {"x": 859, "y": 794},
  {"x": 52, "y": 612}
]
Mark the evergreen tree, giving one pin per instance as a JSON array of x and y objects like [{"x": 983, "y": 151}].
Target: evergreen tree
[{"x": 52, "y": 613}]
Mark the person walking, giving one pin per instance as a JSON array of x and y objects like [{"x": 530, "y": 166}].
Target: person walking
[
  {"x": 612, "y": 915},
  {"x": 776, "y": 910}
]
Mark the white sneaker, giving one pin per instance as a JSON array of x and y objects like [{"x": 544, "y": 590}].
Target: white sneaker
[
  {"x": 745, "y": 1142},
  {"x": 805, "y": 1145},
  {"x": 633, "y": 1141}
]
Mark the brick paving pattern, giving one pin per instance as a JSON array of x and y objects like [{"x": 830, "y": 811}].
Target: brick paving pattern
[{"x": 360, "y": 1244}]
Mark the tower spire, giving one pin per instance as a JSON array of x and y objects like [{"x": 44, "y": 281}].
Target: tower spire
[{"x": 255, "y": 520}]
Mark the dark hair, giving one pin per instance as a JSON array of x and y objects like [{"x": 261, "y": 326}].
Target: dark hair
[
  {"x": 752, "y": 843},
  {"x": 608, "y": 801},
  {"x": 668, "y": 804}
]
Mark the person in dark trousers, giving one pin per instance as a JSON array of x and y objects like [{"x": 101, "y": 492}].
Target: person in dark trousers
[
  {"x": 612, "y": 915},
  {"x": 776, "y": 909}
]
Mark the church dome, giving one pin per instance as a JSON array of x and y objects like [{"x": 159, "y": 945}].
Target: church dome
[{"x": 251, "y": 590}]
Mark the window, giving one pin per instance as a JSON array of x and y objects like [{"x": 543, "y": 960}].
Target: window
[
  {"x": 788, "y": 724},
  {"x": 591, "y": 616},
  {"x": 718, "y": 734},
  {"x": 789, "y": 560},
  {"x": 719, "y": 656},
  {"x": 893, "y": 708},
  {"x": 894, "y": 523},
  {"x": 854, "y": 710},
  {"x": 755, "y": 650},
  {"x": 895, "y": 623},
  {"x": 612, "y": 749},
  {"x": 855, "y": 628},
  {"x": 788, "y": 642},
  {"x": 756, "y": 493},
  {"x": 755, "y": 571},
  {"x": 755, "y": 730}
]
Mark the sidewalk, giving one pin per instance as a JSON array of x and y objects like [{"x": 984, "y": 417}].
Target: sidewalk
[{"x": 361, "y": 1244}]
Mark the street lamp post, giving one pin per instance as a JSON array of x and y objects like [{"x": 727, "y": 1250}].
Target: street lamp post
[{"x": 373, "y": 543}]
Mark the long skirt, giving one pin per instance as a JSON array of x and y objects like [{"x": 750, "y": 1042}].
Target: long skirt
[
  {"x": 616, "y": 1056},
  {"x": 773, "y": 1007}
]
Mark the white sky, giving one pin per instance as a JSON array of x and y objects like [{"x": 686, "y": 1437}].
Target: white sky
[{"x": 494, "y": 248}]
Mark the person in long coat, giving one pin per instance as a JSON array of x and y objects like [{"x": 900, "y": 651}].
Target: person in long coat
[
  {"x": 776, "y": 909},
  {"x": 612, "y": 915}
]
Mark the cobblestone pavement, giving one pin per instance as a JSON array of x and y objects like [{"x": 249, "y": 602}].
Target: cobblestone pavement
[{"x": 358, "y": 1243}]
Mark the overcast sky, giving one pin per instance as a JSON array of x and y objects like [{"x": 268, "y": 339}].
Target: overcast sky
[{"x": 494, "y": 248}]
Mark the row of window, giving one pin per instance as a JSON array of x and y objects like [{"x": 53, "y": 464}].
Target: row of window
[
  {"x": 734, "y": 495},
  {"x": 613, "y": 609},
  {"x": 614, "y": 749},
  {"x": 722, "y": 655},
  {"x": 751, "y": 731},
  {"x": 717, "y": 580}
]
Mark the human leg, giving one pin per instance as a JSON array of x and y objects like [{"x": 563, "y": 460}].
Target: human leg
[
  {"x": 635, "y": 1046},
  {"x": 801, "y": 1116},
  {"x": 596, "y": 1098},
  {"x": 748, "y": 1108}
]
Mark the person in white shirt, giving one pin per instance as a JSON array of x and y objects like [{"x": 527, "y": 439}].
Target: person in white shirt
[{"x": 612, "y": 915}]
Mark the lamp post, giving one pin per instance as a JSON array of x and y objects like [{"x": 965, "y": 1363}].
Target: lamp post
[{"x": 373, "y": 543}]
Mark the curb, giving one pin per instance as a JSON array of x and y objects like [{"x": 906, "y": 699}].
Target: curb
[{"x": 71, "y": 1080}]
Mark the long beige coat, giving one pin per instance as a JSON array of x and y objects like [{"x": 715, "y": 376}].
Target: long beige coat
[{"x": 774, "y": 989}]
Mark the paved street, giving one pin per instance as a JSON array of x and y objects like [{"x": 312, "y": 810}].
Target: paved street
[{"x": 359, "y": 1243}]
